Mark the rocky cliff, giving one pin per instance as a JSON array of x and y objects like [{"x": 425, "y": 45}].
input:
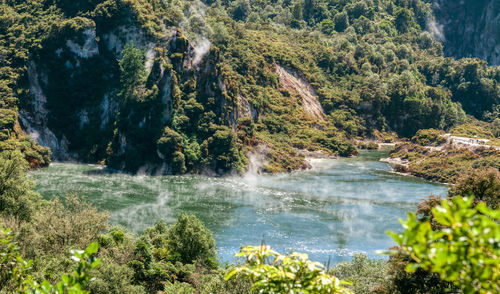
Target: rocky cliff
[
  {"x": 198, "y": 86},
  {"x": 469, "y": 28}
]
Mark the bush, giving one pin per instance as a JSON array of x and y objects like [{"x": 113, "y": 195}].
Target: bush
[
  {"x": 169, "y": 142},
  {"x": 15, "y": 277},
  {"x": 404, "y": 20},
  {"x": 429, "y": 137},
  {"x": 366, "y": 275},
  {"x": 484, "y": 185},
  {"x": 466, "y": 251},
  {"x": 191, "y": 240},
  {"x": 16, "y": 195},
  {"x": 178, "y": 288},
  {"x": 61, "y": 225},
  {"x": 341, "y": 21},
  {"x": 178, "y": 163},
  {"x": 419, "y": 281},
  {"x": 113, "y": 279},
  {"x": 271, "y": 272}
]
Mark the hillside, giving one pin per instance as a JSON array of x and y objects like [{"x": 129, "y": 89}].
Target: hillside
[
  {"x": 146, "y": 89},
  {"x": 189, "y": 86}
]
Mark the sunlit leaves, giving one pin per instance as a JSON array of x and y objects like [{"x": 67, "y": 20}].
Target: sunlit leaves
[
  {"x": 466, "y": 251},
  {"x": 271, "y": 272}
]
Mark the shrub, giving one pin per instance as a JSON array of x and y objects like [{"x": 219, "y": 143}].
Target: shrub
[
  {"x": 419, "y": 281},
  {"x": 60, "y": 225},
  {"x": 189, "y": 238},
  {"x": 13, "y": 268},
  {"x": 466, "y": 251},
  {"x": 16, "y": 195},
  {"x": 132, "y": 68},
  {"x": 404, "y": 20},
  {"x": 15, "y": 277},
  {"x": 169, "y": 142},
  {"x": 484, "y": 185},
  {"x": 366, "y": 275},
  {"x": 471, "y": 130},
  {"x": 341, "y": 21},
  {"x": 178, "y": 162},
  {"x": 113, "y": 279},
  {"x": 178, "y": 288},
  {"x": 271, "y": 272},
  {"x": 429, "y": 137}
]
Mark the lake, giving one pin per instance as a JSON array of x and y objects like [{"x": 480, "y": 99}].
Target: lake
[{"x": 336, "y": 209}]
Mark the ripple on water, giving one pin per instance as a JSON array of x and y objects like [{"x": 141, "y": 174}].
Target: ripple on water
[{"x": 338, "y": 208}]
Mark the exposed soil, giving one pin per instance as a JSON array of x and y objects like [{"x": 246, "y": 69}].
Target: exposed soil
[{"x": 297, "y": 85}]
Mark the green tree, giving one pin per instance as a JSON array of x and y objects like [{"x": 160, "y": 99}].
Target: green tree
[
  {"x": 484, "y": 185},
  {"x": 191, "y": 240},
  {"x": 169, "y": 142},
  {"x": 241, "y": 10},
  {"x": 341, "y": 21},
  {"x": 404, "y": 20},
  {"x": 16, "y": 195},
  {"x": 132, "y": 69},
  {"x": 179, "y": 162},
  {"x": 366, "y": 275},
  {"x": 15, "y": 277},
  {"x": 13, "y": 268},
  {"x": 327, "y": 26}
]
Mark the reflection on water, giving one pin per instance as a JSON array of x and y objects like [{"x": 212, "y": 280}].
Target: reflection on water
[{"x": 332, "y": 211}]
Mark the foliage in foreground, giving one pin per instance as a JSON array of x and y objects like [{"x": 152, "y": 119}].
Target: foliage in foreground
[
  {"x": 179, "y": 258},
  {"x": 465, "y": 251},
  {"x": 15, "y": 277},
  {"x": 271, "y": 272}
]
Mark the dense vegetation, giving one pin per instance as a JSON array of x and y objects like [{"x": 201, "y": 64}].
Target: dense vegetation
[{"x": 175, "y": 86}]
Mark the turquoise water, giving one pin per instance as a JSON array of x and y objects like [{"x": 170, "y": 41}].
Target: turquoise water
[{"x": 338, "y": 208}]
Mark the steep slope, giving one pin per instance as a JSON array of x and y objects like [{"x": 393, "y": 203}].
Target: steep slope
[
  {"x": 176, "y": 86},
  {"x": 469, "y": 28}
]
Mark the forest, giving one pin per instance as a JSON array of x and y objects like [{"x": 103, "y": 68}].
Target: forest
[
  {"x": 184, "y": 86},
  {"x": 173, "y": 87}
]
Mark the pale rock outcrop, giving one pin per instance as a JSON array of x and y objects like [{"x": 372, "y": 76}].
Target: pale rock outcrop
[
  {"x": 34, "y": 122},
  {"x": 296, "y": 84},
  {"x": 89, "y": 47}
]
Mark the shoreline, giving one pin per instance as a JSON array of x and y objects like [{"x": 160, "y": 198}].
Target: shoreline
[{"x": 398, "y": 162}]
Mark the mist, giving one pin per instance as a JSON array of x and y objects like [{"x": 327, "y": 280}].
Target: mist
[
  {"x": 338, "y": 208},
  {"x": 197, "y": 29},
  {"x": 436, "y": 30}
]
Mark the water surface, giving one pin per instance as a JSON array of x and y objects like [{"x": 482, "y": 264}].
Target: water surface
[{"x": 331, "y": 212}]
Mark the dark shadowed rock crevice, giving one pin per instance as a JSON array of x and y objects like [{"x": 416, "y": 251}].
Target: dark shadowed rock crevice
[{"x": 470, "y": 28}]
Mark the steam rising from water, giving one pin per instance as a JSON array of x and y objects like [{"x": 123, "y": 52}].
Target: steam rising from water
[{"x": 338, "y": 208}]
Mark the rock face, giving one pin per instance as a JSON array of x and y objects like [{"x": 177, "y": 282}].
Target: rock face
[
  {"x": 79, "y": 107},
  {"x": 35, "y": 122},
  {"x": 469, "y": 28},
  {"x": 73, "y": 104},
  {"x": 294, "y": 83}
]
